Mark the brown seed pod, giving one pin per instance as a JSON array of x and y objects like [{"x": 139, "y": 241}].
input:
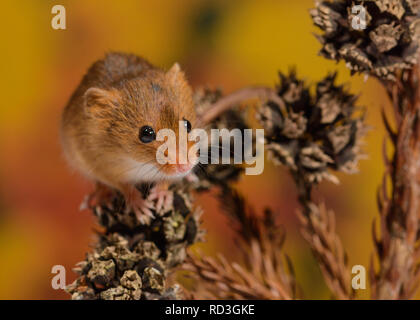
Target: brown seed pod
[
  {"x": 388, "y": 43},
  {"x": 314, "y": 133}
]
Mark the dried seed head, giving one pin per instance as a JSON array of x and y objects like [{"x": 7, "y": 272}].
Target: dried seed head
[
  {"x": 313, "y": 133},
  {"x": 147, "y": 249},
  {"x": 102, "y": 272},
  {"x": 131, "y": 261},
  {"x": 174, "y": 227},
  {"x": 388, "y": 42},
  {"x": 153, "y": 279}
]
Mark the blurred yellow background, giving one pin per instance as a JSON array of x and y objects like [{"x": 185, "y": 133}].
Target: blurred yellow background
[{"x": 225, "y": 43}]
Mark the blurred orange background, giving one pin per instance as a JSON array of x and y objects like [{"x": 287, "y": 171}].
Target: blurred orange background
[{"x": 225, "y": 43}]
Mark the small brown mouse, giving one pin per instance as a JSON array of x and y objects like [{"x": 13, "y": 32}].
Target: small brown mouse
[{"x": 109, "y": 127}]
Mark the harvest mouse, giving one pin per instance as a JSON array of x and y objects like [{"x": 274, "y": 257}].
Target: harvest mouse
[{"x": 109, "y": 127}]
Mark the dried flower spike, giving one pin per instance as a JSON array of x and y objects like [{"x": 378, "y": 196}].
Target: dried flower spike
[
  {"x": 131, "y": 261},
  {"x": 385, "y": 42},
  {"x": 311, "y": 134},
  {"x": 266, "y": 272}
]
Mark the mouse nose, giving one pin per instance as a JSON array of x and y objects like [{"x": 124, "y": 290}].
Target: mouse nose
[{"x": 182, "y": 168}]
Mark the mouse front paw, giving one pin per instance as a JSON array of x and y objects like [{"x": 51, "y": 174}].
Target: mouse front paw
[
  {"x": 163, "y": 198},
  {"x": 142, "y": 208}
]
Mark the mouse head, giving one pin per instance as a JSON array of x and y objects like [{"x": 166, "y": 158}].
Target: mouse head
[{"x": 129, "y": 116}]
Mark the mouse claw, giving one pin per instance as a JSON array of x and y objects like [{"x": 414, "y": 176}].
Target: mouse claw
[
  {"x": 141, "y": 208},
  {"x": 144, "y": 215},
  {"x": 163, "y": 197}
]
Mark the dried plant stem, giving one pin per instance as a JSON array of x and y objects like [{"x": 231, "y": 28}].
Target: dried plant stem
[
  {"x": 266, "y": 272},
  {"x": 318, "y": 229},
  {"x": 397, "y": 249},
  {"x": 228, "y": 280},
  {"x": 226, "y": 102}
]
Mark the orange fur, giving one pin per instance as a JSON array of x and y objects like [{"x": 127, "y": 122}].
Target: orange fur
[{"x": 118, "y": 95}]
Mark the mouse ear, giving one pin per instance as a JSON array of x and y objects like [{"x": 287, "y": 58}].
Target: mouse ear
[
  {"x": 101, "y": 97},
  {"x": 175, "y": 74}
]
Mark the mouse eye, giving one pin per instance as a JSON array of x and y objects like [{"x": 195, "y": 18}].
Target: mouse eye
[
  {"x": 187, "y": 125},
  {"x": 147, "y": 134}
]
